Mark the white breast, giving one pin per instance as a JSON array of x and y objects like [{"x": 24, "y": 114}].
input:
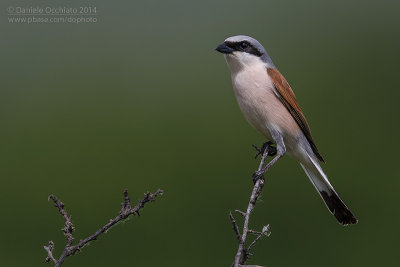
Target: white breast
[
  {"x": 253, "y": 91},
  {"x": 256, "y": 97}
]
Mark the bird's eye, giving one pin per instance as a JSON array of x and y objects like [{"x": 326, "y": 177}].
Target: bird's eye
[{"x": 244, "y": 45}]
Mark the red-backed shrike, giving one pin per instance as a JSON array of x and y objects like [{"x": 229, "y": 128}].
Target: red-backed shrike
[{"x": 270, "y": 106}]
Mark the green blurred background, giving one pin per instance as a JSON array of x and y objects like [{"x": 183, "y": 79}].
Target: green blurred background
[{"x": 140, "y": 100}]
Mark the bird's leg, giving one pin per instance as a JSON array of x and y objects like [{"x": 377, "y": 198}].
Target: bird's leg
[
  {"x": 259, "y": 174},
  {"x": 280, "y": 150},
  {"x": 260, "y": 151}
]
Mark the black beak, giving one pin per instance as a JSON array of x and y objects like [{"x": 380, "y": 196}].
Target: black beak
[{"x": 224, "y": 49}]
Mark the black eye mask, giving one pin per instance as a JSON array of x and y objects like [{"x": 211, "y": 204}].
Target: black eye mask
[{"x": 244, "y": 46}]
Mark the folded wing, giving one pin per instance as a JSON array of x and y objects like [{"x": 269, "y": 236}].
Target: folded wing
[{"x": 285, "y": 94}]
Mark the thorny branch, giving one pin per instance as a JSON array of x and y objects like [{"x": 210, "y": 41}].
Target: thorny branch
[
  {"x": 69, "y": 228},
  {"x": 243, "y": 253}
]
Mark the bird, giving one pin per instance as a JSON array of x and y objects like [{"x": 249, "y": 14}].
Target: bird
[{"x": 269, "y": 104}]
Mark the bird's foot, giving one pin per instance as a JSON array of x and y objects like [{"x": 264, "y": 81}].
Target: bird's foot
[
  {"x": 258, "y": 175},
  {"x": 266, "y": 145}
]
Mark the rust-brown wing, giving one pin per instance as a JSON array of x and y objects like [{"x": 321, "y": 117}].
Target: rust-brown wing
[{"x": 288, "y": 99}]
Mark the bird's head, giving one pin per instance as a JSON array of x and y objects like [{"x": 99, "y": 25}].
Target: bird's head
[{"x": 241, "y": 51}]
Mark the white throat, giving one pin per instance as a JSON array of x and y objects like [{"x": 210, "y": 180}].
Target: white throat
[{"x": 238, "y": 61}]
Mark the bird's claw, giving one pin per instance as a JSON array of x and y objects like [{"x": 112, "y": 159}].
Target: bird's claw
[
  {"x": 258, "y": 175},
  {"x": 258, "y": 151},
  {"x": 266, "y": 145}
]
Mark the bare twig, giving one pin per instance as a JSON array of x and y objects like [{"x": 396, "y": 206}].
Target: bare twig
[
  {"x": 49, "y": 250},
  {"x": 243, "y": 253},
  {"x": 69, "y": 228},
  {"x": 241, "y": 213},
  {"x": 235, "y": 226},
  {"x": 265, "y": 231}
]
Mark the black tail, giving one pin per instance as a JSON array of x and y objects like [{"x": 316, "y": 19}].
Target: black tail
[
  {"x": 335, "y": 205},
  {"x": 338, "y": 208}
]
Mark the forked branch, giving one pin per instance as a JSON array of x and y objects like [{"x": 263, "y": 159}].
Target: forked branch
[
  {"x": 68, "y": 229},
  {"x": 243, "y": 253}
]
